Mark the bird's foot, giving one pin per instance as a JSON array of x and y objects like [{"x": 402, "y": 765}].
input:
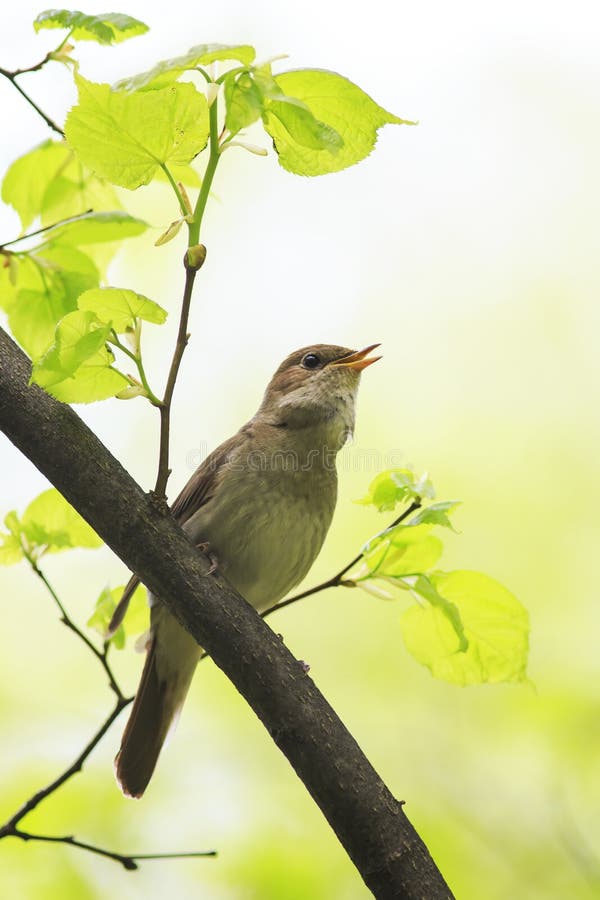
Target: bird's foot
[{"x": 204, "y": 547}]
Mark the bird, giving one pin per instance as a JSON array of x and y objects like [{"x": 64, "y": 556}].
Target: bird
[{"x": 261, "y": 504}]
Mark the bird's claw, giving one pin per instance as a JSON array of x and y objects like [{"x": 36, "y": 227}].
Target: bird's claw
[{"x": 204, "y": 547}]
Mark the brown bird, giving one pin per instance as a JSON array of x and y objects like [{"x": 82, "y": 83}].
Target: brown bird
[{"x": 262, "y": 502}]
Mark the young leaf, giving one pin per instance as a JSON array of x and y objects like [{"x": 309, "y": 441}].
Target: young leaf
[
  {"x": 495, "y": 624},
  {"x": 77, "y": 368},
  {"x": 335, "y": 102},
  {"x": 404, "y": 550},
  {"x": 106, "y": 28},
  {"x": 34, "y": 314},
  {"x": 169, "y": 70},
  {"x": 136, "y": 618},
  {"x": 72, "y": 269},
  {"x": 396, "y": 486},
  {"x": 119, "y": 307},
  {"x": 11, "y": 550},
  {"x": 125, "y": 137},
  {"x": 436, "y": 514},
  {"x": 28, "y": 179},
  {"x": 303, "y": 127},
  {"x": 57, "y": 275},
  {"x": 51, "y": 521},
  {"x": 243, "y": 102},
  {"x": 75, "y": 190}
]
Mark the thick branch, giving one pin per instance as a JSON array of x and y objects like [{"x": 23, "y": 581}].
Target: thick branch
[{"x": 368, "y": 820}]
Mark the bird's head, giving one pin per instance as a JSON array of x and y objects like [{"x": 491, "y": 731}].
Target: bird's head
[{"x": 316, "y": 387}]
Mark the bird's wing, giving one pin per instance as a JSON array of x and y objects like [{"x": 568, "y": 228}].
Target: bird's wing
[
  {"x": 202, "y": 485},
  {"x": 197, "y": 492}
]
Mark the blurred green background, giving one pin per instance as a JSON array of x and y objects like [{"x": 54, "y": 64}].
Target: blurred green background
[{"x": 469, "y": 246}]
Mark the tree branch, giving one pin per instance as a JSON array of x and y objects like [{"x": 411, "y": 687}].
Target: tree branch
[
  {"x": 12, "y": 77},
  {"x": 101, "y": 655},
  {"x": 368, "y": 820},
  {"x": 127, "y": 861},
  {"x": 10, "y": 827}
]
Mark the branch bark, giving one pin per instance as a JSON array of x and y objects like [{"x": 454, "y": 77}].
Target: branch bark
[{"x": 370, "y": 823}]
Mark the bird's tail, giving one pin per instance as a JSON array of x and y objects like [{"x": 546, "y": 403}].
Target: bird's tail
[{"x": 171, "y": 660}]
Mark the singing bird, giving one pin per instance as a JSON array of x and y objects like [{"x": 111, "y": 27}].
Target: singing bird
[{"x": 262, "y": 503}]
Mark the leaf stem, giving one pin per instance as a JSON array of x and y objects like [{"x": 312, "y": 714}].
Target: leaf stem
[
  {"x": 213, "y": 159},
  {"x": 163, "y": 473},
  {"x": 182, "y": 205},
  {"x": 137, "y": 359}
]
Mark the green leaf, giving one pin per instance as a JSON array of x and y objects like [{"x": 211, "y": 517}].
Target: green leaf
[
  {"x": 73, "y": 270},
  {"x": 33, "y": 317},
  {"x": 424, "y": 587},
  {"x": 125, "y": 137},
  {"x": 169, "y": 70},
  {"x": 28, "y": 179},
  {"x": 51, "y": 522},
  {"x": 396, "y": 486},
  {"x": 436, "y": 514},
  {"x": 17, "y": 273},
  {"x": 303, "y": 127},
  {"x": 495, "y": 624},
  {"x": 78, "y": 367},
  {"x": 334, "y": 102},
  {"x": 97, "y": 228},
  {"x": 136, "y": 619},
  {"x": 59, "y": 274},
  {"x": 243, "y": 102},
  {"x": 11, "y": 550},
  {"x": 120, "y": 307},
  {"x": 106, "y": 28},
  {"x": 403, "y": 550}
]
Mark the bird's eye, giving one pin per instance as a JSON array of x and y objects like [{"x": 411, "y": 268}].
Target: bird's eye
[{"x": 311, "y": 361}]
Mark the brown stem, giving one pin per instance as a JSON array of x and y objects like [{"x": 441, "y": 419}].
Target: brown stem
[
  {"x": 338, "y": 579},
  {"x": 165, "y": 409},
  {"x": 101, "y": 655},
  {"x": 129, "y": 862},
  {"x": 12, "y": 77}
]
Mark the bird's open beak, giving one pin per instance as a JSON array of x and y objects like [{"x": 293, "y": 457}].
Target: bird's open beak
[{"x": 358, "y": 360}]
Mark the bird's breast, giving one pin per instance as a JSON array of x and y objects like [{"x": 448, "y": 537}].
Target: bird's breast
[{"x": 266, "y": 525}]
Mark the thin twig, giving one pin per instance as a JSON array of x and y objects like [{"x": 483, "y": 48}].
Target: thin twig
[
  {"x": 101, "y": 655},
  {"x": 129, "y": 862},
  {"x": 338, "y": 579},
  {"x": 31, "y": 234},
  {"x": 12, "y": 77},
  {"x": 165, "y": 408},
  {"x": 75, "y": 767}
]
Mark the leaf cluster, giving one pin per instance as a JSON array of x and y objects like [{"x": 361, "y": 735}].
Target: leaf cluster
[{"x": 465, "y": 626}]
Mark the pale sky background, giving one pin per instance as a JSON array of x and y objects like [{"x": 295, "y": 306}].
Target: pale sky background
[{"x": 469, "y": 246}]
